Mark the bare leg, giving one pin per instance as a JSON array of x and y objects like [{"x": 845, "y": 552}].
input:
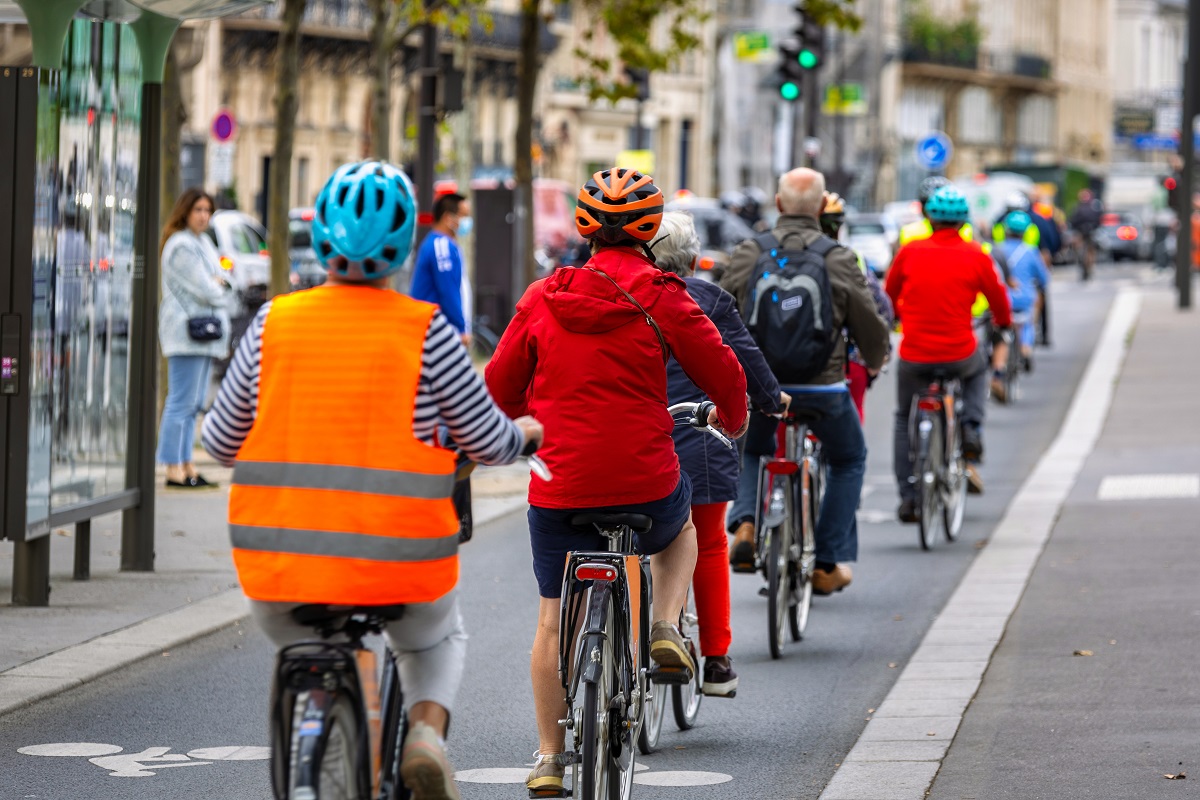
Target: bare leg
[
  {"x": 548, "y": 699},
  {"x": 177, "y": 472},
  {"x": 672, "y": 571},
  {"x": 432, "y": 714}
]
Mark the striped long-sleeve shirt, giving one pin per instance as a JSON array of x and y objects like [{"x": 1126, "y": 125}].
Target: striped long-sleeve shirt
[{"x": 449, "y": 392}]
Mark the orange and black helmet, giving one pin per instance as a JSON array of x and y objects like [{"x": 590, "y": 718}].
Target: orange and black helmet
[{"x": 619, "y": 206}]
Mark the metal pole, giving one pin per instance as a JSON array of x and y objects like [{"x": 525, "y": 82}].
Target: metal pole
[
  {"x": 812, "y": 107},
  {"x": 638, "y": 142},
  {"x": 31, "y": 572},
  {"x": 137, "y": 527},
  {"x": 427, "y": 130},
  {"x": 83, "y": 550},
  {"x": 1183, "y": 249}
]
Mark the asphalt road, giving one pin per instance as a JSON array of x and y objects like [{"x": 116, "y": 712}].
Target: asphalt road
[{"x": 782, "y": 736}]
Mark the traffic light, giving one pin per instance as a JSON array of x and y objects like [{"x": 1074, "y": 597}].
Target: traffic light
[
  {"x": 1171, "y": 184},
  {"x": 789, "y": 74},
  {"x": 812, "y": 43}
]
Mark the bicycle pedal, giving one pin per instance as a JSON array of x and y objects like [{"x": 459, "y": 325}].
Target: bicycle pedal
[
  {"x": 671, "y": 675},
  {"x": 544, "y": 793}
]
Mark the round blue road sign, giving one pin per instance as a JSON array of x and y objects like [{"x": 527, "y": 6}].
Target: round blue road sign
[
  {"x": 934, "y": 150},
  {"x": 224, "y": 126}
]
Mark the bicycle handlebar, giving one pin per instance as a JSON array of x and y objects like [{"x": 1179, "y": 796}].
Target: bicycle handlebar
[{"x": 698, "y": 418}]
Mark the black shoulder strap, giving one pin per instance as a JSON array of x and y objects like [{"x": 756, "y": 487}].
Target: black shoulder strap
[
  {"x": 766, "y": 242},
  {"x": 823, "y": 246},
  {"x": 666, "y": 351}
]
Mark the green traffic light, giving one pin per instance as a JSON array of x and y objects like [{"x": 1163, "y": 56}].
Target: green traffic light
[
  {"x": 789, "y": 91},
  {"x": 807, "y": 59}
]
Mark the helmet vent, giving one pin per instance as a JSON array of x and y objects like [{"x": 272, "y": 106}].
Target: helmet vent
[
  {"x": 398, "y": 217},
  {"x": 360, "y": 204},
  {"x": 368, "y": 267},
  {"x": 389, "y": 253},
  {"x": 343, "y": 190},
  {"x": 326, "y": 247}
]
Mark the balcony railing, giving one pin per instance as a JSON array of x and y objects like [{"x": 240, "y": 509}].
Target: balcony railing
[{"x": 996, "y": 62}]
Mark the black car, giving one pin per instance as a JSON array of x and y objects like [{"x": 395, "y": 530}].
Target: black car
[
  {"x": 719, "y": 229},
  {"x": 1122, "y": 235}
]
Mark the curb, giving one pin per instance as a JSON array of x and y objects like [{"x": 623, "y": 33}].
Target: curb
[
  {"x": 902, "y": 748},
  {"x": 74, "y": 666}
]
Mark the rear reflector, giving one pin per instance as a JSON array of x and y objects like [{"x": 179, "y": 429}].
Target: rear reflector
[
  {"x": 930, "y": 404},
  {"x": 782, "y": 467},
  {"x": 596, "y": 572}
]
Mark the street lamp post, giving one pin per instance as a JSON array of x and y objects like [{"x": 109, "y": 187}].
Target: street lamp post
[{"x": 1183, "y": 249}]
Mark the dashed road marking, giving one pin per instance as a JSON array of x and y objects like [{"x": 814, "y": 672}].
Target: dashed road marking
[
  {"x": 1149, "y": 487},
  {"x": 71, "y": 749},
  {"x": 682, "y": 778}
]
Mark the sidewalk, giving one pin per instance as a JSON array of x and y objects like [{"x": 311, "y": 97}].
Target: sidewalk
[
  {"x": 96, "y": 626},
  {"x": 1062, "y": 665}
]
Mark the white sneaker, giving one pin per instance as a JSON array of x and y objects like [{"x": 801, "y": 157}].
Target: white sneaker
[{"x": 423, "y": 765}]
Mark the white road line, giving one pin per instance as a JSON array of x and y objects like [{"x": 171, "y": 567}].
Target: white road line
[{"x": 902, "y": 747}]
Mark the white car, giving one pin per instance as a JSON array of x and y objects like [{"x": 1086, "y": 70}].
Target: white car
[
  {"x": 871, "y": 236},
  {"x": 242, "y": 246}
]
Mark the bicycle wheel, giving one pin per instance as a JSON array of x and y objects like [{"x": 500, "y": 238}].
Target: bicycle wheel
[
  {"x": 338, "y": 774},
  {"x": 778, "y": 588},
  {"x": 806, "y": 562},
  {"x": 596, "y": 777},
  {"x": 1012, "y": 373},
  {"x": 954, "y": 491},
  {"x": 927, "y": 469},
  {"x": 685, "y": 698},
  {"x": 652, "y": 720},
  {"x": 394, "y": 728}
]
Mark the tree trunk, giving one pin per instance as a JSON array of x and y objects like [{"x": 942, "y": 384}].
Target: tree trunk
[
  {"x": 280, "y": 180},
  {"x": 381, "y": 78},
  {"x": 528, "y": 66}
]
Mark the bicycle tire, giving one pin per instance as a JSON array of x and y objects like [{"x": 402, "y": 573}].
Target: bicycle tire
[
  {"x": 1012, "y": 374},
  {"x": 955, "y": 491},
  {"x": 814, "y": 467},
  {"x": 594, "y": 770},
  {"x": 338, "y": 774},
  {"x": 685, "y": 698},
  {"x": 394, "y": 729},
  {"x": 652, "y": 718},
  {"x": 927, "y": 469},
  {"x": 778, "y": 591}
]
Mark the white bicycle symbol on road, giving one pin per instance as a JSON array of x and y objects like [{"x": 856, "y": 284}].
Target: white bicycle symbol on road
[{"x": 146, "y": 763}]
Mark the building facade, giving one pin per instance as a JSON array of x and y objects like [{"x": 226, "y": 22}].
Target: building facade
[{"x": 1149, "y": 47}]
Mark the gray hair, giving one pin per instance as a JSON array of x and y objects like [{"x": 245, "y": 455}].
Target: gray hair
[
  {"x": 801, "y": 191},
  {"x": 677, "y": 246}
]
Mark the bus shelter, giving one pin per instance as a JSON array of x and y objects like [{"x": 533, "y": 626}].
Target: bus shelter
[{"x": 80, "y": 131}]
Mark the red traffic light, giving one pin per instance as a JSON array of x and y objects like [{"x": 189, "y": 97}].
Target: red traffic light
[{"x": 1169, "y": 184}]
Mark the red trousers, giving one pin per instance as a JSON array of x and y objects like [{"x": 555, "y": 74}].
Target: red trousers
[
  {"x": 711, "y": 579},
  {"x": 857, "y": 379}
]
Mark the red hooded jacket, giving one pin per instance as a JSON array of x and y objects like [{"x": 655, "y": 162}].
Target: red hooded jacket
[{"x": 581, "y": 358}]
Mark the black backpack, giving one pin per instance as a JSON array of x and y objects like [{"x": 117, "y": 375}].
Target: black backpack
[{"x": 791, "y": 308}]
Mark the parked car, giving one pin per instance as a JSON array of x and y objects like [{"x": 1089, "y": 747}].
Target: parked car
[
  {"x": 1123, "y": 235},
  {"x": 871, "y": 236},
  {"x": 242, "y": 247},
  {"x": 307, "y": 271},
  {"x": 719, "y": 229}
]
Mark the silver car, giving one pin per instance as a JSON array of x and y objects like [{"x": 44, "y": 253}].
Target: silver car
[
  {"x": 870, "y": 236},
  {"x": 242, "y": 246}
]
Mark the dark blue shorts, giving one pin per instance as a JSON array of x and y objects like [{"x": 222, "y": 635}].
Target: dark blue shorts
[{"x": 552, "y": 536}]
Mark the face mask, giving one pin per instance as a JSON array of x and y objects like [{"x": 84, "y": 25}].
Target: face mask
[{"x": 465, "y": 226}]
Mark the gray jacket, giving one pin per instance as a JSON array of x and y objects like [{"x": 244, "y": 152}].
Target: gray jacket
[
  {"x": 853, "y": 306},
  {"x": 190, "y": 266}
]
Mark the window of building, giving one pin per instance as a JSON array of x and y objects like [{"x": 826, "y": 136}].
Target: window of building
[
  {"x": 1035, "y": 122},
  {"x": 921, "y": 110},
  {"x": 302, "y": 173},
  {"x": 978, "y": 117}
]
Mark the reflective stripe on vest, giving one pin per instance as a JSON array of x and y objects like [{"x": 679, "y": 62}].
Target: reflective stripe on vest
[
  {"x": 342, "y": 545},
  {"x": 333, "y": 498},
  {"x": 394, "y": 483}
]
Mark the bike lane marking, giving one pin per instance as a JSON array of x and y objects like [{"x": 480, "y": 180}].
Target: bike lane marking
[
  {"x": 902, "y": 748},
  {"x": 145, "y": 764}
]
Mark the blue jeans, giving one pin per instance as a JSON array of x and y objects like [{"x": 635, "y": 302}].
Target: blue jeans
[
  {"x": 845, "y": 451},
  {"x": 187, "y": 384}
]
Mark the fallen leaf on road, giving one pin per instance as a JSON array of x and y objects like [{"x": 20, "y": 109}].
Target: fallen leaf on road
[
  {"x": 870, "y": 711},
  {"x": 1179, "y": 776},
  {"x": 892, "y": 665},
  {"x": 1084, "y": 653},
  {"x": 932, "y": 733},
  {"x": 982, "y": 543}
]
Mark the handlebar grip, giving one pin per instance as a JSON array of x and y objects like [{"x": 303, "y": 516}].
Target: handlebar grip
[
  {"x": 703, "y": 410},
  {"x": 529, "y": 448}
]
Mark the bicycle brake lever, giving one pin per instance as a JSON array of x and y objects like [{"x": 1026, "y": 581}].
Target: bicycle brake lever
[
  {"x": 719, "y": 436},
  {"x": 539, "y": 468}
]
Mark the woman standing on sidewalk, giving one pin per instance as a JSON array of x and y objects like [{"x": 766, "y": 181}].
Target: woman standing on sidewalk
[
  {"x": 193, "y": 329},
  {"x": 712, "y": 467}
]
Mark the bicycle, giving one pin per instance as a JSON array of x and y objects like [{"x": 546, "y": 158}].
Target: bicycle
[
  {"x": 939, "y": 469},
  {"x": 1015, "y": 364},
  {"x": 685, "y": 695},
  {"x": 785, "y": 542},
  {"x": 604, "y": 651},
  {"x": 337, "y": 720}
]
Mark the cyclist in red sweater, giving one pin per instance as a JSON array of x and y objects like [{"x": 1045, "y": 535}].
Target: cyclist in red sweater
[
  {"x": 588, "y": 349},
  {"x": 933, "y": 283}
]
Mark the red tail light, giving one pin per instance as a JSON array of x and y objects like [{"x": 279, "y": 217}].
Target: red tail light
[
  {"x": 705, "y": 262},
  {"x": 930, "y": 404},
  {"x": 264, "y": 252},
  {"x": 782, "y": 467},
  {"x": 596, "y": 572},
  {"x": 1126, "y": 233}
]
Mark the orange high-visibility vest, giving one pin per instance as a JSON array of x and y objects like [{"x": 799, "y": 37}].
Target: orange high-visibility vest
[{"x": 334, "y": 500}]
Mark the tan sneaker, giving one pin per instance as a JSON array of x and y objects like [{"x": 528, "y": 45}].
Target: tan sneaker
[
  {"x": 546, "y": 779},
  {"x": 668, "y": 649},
  {"x": 423, "y": 765},
  {"x": 829, "y": 582},
  {"x": 741, "y": 554}
]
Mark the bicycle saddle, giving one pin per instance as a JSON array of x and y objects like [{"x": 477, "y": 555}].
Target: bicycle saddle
[
  {"x": 805, "y": 415},
  {"x": 318, "y": 614},
  {"x": 640, "y": 523}
]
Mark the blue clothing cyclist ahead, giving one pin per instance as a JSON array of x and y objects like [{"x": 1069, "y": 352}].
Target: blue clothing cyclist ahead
[
  {"x": 1027, "y": 275},
  {"x": 438, "y": 276}
]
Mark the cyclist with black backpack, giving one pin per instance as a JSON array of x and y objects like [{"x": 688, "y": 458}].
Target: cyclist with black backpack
[{"x": 797, "y": 290}]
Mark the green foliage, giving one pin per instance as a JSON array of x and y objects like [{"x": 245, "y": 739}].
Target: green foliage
[
  {"x": 455, "y": 16},
  {"x": 630, "y": 25},
  {"x": 838, "y": 13},
  {"x": 928, "y": 37}
]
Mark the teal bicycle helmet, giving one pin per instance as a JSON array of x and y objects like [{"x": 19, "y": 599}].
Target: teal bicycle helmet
[
  {"x": 1016, "y": 223},
  {"x": 364, "y": 221},
  {"x": 948, "y": 204}
]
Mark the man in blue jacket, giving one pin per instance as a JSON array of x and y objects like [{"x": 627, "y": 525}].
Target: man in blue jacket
[{"x": 439, "y": 277}]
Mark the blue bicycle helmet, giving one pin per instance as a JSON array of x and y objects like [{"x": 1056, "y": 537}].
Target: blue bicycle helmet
[
  {"x": 364, "y": 222},
  {"x": 948, "y": 204},
  {"x": 1016, "y": 223}
]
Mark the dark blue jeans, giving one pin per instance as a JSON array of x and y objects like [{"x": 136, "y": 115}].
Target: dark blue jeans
[{"x": 845, "y": 451}]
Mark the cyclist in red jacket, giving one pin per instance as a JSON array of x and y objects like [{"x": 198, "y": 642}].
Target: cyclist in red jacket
[
  {"x": 933, "y": 283},
  {"x": 587, "y": 352}
]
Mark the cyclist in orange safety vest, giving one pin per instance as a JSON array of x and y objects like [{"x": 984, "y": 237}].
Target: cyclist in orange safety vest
[{"x": 330, "y": 414}]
